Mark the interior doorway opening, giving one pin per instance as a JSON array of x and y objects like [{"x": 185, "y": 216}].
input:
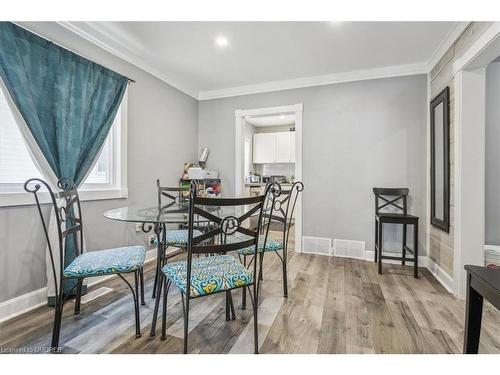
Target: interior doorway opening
[
  {"x": 268, "y": 147},
  {"x": 470, "y": 154}
]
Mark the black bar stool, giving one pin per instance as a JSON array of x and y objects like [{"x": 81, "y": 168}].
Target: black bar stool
[{"x": 390, "y": 198}]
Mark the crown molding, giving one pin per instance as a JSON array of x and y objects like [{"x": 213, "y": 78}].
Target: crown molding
[
  {"x": 327, "y": 79},
  {"x": 451, "y": 36},
  {"x": 120, "y": 50}
]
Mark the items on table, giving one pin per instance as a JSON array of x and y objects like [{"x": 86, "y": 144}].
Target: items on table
[{"x": 208, "y": 187}]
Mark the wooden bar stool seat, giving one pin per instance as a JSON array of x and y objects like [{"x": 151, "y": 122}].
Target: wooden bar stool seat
[{"x": 390, "y": 198}]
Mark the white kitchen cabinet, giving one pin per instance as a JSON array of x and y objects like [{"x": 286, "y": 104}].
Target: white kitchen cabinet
[
  {"x": 264, "y": 148},
  {"x": 283, "y": 147},
  {"x": 274, "y": 147}
]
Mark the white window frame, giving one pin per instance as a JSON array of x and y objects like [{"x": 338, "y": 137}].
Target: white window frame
[{"x": 116, "y": 189}]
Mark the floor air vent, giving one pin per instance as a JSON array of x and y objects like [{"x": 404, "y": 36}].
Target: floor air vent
[
  {"x": 349, "y": 249},
  {"x": 317, "y": 245}
]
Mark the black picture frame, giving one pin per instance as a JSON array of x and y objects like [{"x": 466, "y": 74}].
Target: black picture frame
[{"x": 442, "y": 98}]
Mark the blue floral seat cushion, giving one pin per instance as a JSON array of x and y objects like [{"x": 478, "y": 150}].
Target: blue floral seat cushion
[
  {"x": 209, "y": 274},
  {"x": 107, "y": 262},
  {"x": 271, "y": 245},
  {"x": 179, "y": 237}
]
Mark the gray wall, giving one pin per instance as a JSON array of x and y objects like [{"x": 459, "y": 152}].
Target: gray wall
[
  {"x": 355, "y": 136},
  {"x": 492, "y": 172},
  {"x": 162, "y": 135}
]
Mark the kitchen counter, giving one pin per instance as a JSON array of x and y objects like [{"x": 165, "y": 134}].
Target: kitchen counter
[{"x": 257, "y": 184}]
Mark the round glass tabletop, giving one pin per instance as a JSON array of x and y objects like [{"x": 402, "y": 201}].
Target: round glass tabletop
[{"x": 175, "y": 214}]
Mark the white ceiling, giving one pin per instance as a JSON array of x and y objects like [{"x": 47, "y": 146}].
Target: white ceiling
[
  {"x": 184, "y": 54},
  {"x": 278, "y": 120}
]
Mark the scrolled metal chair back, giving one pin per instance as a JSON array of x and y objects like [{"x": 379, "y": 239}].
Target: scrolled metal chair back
[
  {"x": 68, "y": 215},
  {"x": 227, "y": 231},
  {"x": 172, "y": 194},
  {"x": 284, "y": 207}
]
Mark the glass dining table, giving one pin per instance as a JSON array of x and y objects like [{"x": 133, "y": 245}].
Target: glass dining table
[{"x": 156, "y": 219}]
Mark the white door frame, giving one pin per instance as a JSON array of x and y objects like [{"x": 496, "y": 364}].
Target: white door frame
[
  {"x": 469, "y": 138},
  {"x": 238, "y": 178}
]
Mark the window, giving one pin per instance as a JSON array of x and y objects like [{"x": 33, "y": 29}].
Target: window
[
  {"x": 106, "y": 179},
  {"x": 102, "y": 174},
  {"x": 16, "y": 165}
]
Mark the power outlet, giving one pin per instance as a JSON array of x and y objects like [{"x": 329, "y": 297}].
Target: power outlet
[
  {"x": 138, "y": 227},
  {"x": 152, "y": 240}
]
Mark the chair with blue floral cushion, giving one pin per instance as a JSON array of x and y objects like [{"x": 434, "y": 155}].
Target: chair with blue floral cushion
[
  {"x": 216, "y": 272},
  {"x": 118, "y": 261},
  {"x": 281, "y": 213},
  {"x": 175, "y": 238}
]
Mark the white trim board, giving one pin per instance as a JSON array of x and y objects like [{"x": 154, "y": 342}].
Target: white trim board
[
  {"x": 444, "y": 278},
  {"x": 423, "y": 262},
  {"x": 446, "y": 43},
  {"x": 327, "y": 79},
  {"x": 97, "y": 37},
  {"x": 482, "y": 52},
  {"x": 426, "y": 262},
  {"x": 24, "y": 303},
  {"x": 469, "y": 83},
  {"x": 492, "y": 247}
]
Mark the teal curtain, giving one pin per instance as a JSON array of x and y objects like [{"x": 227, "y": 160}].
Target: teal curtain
[{"x": 68, "y": 102}]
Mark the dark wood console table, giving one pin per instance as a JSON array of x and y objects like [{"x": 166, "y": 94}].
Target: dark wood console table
[{"x": 481, "y": 283}]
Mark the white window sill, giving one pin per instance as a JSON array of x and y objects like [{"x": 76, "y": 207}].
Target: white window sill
[{"x": 10, "y": 199}]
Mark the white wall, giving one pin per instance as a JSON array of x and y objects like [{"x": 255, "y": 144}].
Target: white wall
[
  {"x": 162, "y": 135},
  {"x": 355, "y": 136},
  {"x": 492, "y": 172}
]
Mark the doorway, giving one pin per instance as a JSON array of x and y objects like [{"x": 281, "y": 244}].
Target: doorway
[
  {"x": 469, "y": 138},
  {"x": 280, "y": 128}
]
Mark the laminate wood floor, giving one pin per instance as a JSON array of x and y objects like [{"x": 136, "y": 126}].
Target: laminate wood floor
[{"x": 335, "y": 305}]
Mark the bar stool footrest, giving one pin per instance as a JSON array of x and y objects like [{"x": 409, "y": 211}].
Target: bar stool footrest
[{"x": 397, "y": 258}]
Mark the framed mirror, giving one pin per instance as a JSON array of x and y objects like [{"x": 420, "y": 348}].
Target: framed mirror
[{"x": 440, "y": 160}]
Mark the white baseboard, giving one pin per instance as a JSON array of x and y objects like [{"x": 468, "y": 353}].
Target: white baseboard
[
  {"x": 314, "y": 252},
  {"x": 422, "y": 259},
  {"x": 492, "y": 247},
  {"x": 444, "y": 279},
  {"x": 22, "y": 304}
]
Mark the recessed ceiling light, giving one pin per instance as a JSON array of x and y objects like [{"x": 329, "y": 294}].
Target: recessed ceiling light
[
  {"x": 221, "y": 41},
  {"x": 282, "y": 117}
]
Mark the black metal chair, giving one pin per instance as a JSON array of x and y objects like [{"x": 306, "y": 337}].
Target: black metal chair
[
  {"x": 281, "y": 214},
  {"x": 118, "y": 261},
  {"x": 166, "y": 238},
  {"x": 390, "y": 198},
  {"x": 216, "y": 272}
]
